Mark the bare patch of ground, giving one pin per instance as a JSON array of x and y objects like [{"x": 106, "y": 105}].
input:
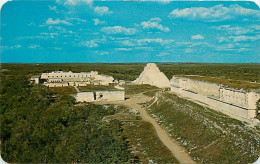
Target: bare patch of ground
[{"x": 134, "y": 102}]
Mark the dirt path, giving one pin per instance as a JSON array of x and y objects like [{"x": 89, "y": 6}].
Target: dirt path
[{"x": 177, "y": 150}]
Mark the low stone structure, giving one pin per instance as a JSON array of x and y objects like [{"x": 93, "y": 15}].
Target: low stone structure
[
  {"x": 230, "y": 101},
  {"x": 62, "y": 79},
  {"x": 100, "y": 96},
  {"x": 153, "y": 76},
  {"x": 35, "y": 79}
]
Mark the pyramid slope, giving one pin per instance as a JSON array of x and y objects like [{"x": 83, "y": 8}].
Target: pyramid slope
[{"x": 153, "y": 76}]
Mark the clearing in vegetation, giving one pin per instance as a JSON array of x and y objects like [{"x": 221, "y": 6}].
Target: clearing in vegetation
[
  {"x": 142, "y": 139},
  {"x": 209, "y": 136}
]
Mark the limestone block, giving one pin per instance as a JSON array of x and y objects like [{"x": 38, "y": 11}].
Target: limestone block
[{"x": 85, "y": 97}]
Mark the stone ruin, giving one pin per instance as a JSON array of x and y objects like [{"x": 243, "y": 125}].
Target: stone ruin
[
  {"x": 153, "y": 76},
  {"x": 100, "y": 96},
  {"x": 233, "y": 102},
  {"x": 63, "y": 79}
]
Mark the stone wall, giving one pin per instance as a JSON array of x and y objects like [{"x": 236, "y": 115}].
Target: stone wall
[
  {"x": 85, "y": 97},
  {"x": 230, "y": 101},
  {"x": 110, "y": 95},
  {"x": 100, "y": 96},
  {"x": 61, "y": 74},
  {"x": 56, "y": 84},
  {"x": 204, "y": 88},
  {"x": 75, "y": 79},
  {"x": 233, "y": 96}
]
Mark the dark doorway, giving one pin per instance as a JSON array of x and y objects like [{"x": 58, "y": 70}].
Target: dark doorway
[
  {"x": 100, "y": 96},
  {"x": 95, "y": 95}
]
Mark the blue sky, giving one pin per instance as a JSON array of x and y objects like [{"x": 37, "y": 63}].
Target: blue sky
[{"x": 65, "y": 31}]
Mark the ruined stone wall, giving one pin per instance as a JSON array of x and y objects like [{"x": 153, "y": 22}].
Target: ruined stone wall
[
  {"x": 55, "y": 84},
  {"x": 85, "y": 97},
  {"x": 227, "y": 100},
  {"x": 235, "y": 97},
  {"x": 253, "y": 98},
  {"x": 61, "y": 74},
  {"x": 216, "y": 104},
  {"x": 203, "y": 88},
  {"x": 110, "y": 95},
  {"x": 100, "y": 96},
  {"x": 77, "y": 79},
  {"x": 108, "y": 79}
]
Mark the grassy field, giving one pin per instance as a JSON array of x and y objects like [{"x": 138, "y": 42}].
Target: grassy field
[
  {"x": 209, "y": 136},
  {"x": 62, "y": 90},
  {"x": 135, "y": 89},
  {"x": 143, "y": 141}
]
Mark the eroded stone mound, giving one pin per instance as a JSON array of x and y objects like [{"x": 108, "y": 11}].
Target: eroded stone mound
[{"x": 153, "y": 76}]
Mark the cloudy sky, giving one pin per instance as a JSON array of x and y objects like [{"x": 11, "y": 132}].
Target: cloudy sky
[{"x": 123, "y": 31}]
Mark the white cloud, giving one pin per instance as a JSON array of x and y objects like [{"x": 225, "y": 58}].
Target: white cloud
[
  {"x": 222, "y": 39},
  {"x": 160, "y": 41},
  {"x": 154, "y": 24},
  {"x": 90, "y": 44},
  {"x": 240, "y": 38},
  {"x": 93, "y": 43},
  {"x": 163, "y": 54},
  {"x": 52, "y": 8},
  {"x": 159, "y": 1},
  {"x": 76, "y": 20},
  {"x": 3, "y": 48},
  {"x": 189, "y": 50},
  {"x": 227, "y": 47},
  {"x": 48, "y": 35},
  {"x": 101, "y": 52},
  {"x": 51, "y": 21},
  {"x": 243, "y": 49},
  {"x": 57, "y": 48},
  {"x": 234, "y": 47},
  {"x": 197, "y": 37},
  {"x": 127, "y": 43},
  {"x": 256, "y": 27},
  {"x": 244, "y": 38},
  {"x": 215, "y": 13},
  {"x": 185, "y": 44},
  {"x": 75, "y": 2},
  {"x": 102, "y": 10},
  {"x": 119, "y": 30},
  {"x": 33, "y": 46},
  {"x": 73, "y": 5},
  {"x": 16, "y": 46},
  {"x": 123, "y": 49},
  {"x": 193, "y": 44},
  {"x": 144, "y": 48},
  {"x": 32, "y": 24},
  {"x": 98, "y": 22},
  {"x": 234, "y": 30},
  {"x": 145, "y": 42}
]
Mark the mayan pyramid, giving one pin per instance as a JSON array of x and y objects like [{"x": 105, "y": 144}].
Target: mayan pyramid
[{"x": 153, "y": 76}]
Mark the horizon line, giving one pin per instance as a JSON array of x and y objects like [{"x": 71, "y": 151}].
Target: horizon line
[{"x": 128, "y": 63}]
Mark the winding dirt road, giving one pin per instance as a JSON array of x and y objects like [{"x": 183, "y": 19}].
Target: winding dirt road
[{"x": 177, "y": 150}]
